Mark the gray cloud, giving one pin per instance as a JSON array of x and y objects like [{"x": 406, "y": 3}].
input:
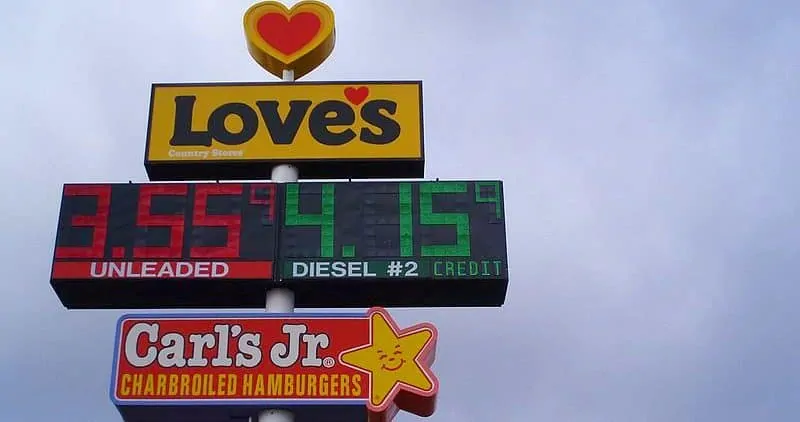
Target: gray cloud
[{"x": 649, "y": 157}]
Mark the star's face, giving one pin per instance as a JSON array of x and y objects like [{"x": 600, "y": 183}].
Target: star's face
[
  {"x": 391, "y": 360},
  {"x": 394, "y": 361}
]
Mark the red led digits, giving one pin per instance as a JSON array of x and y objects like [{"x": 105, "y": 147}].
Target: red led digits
[
  {"x": 269, "y": 200},
  {"x": 145, "y": 219},
  {"x": 98, "y": 222},
  {"x": 232, "y": 222}
]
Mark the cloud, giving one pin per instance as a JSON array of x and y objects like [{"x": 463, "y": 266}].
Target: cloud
[{"x": 648, "y": 155}]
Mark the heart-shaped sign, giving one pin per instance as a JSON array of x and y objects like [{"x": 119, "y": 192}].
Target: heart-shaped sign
[{"x": 297, "y": 39}]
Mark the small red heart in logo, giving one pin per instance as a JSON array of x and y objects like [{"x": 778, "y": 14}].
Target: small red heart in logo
[
  {"x": 288, "y": 35},
  {"x": 356, "y": 95}
]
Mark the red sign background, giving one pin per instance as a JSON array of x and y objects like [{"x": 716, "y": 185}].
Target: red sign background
[{"x": 265, "y": 380}]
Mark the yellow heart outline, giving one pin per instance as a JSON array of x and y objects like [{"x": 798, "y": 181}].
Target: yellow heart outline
[{"x": 302, "y": 61}]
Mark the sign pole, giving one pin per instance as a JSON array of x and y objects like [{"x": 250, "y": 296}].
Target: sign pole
[{"x": 281, "y": 300}]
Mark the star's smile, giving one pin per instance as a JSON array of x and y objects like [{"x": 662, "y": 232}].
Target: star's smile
[{"x": 392, "y": 368}]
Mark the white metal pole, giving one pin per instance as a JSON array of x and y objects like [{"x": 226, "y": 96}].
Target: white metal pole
[{"x": 281, "y": 300}]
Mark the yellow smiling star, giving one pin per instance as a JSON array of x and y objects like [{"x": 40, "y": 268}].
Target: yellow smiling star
[{"x": 397, "y": 362}]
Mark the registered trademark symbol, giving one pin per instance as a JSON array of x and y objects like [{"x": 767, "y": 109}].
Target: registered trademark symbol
[{"x": 328, "y": 362}]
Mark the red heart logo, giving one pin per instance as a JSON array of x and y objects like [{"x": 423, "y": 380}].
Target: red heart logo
[
  {"x": 356, "y": 95},
  {"x": 288, "y": 35}
]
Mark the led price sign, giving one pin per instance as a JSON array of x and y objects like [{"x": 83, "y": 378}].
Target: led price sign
[
  {"x": 184, "y": 245},
  {"x": 396, "y": 243},
  {"x": 344, "y": 244}
]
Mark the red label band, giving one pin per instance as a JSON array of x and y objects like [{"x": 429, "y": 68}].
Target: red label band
[{"x": 162, "y": 269}]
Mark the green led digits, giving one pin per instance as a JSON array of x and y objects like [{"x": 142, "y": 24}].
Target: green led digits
[
  {"x": 406, "y": 237},
  {"x": 493, "y": 196},
  {"x": 324, "y": 219},
  {"x": 460, "y": 220}
]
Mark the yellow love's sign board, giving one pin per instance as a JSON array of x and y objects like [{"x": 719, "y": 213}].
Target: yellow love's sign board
[{"x": 329, "y": 130}]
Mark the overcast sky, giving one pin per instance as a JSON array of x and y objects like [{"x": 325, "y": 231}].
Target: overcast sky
[{"x": 649, "y": 151}]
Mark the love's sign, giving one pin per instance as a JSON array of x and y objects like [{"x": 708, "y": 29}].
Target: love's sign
[
  {"x": 330, "y": 130},
  {"x": 297, "y": 39}
]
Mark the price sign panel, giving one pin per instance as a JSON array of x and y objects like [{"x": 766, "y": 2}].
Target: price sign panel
[
  {"x": 173, "y": 245},
  {"x": 409, "y": 244},
  {"x": 336, "y": 245}
]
